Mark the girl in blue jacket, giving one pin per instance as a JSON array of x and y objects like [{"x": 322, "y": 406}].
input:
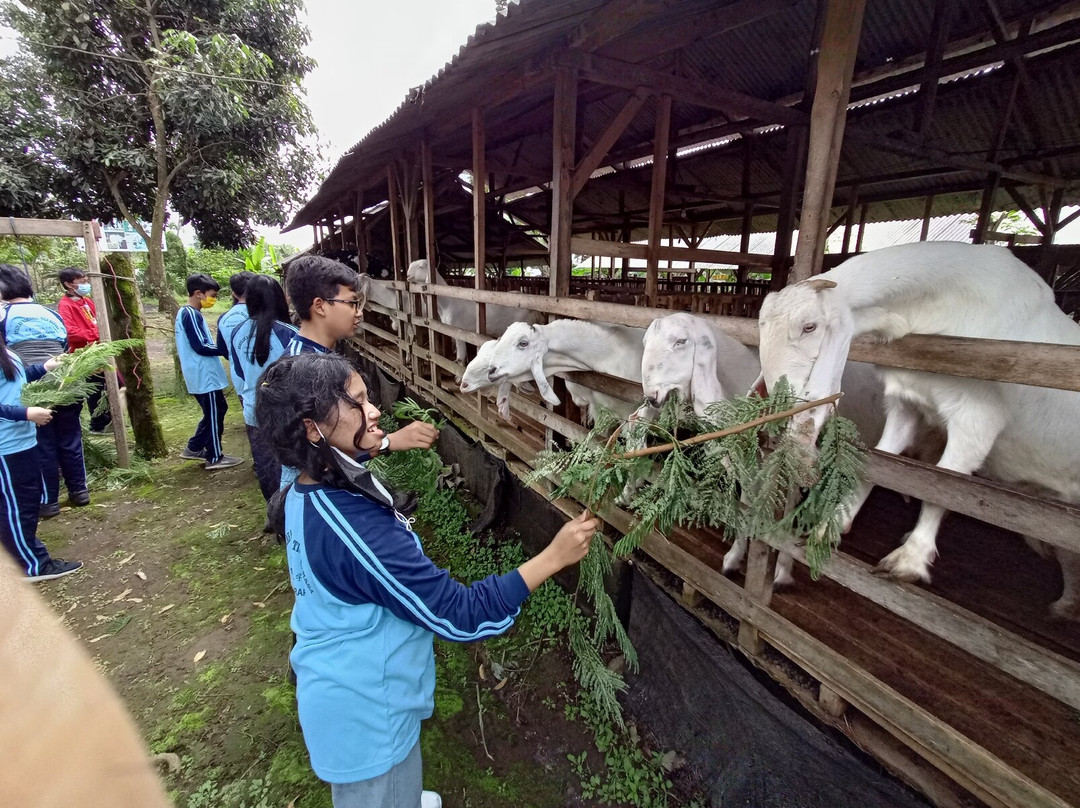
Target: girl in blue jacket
[
  {"x": 368, "y": 600},
  {"x": 20, "y": 471},
  {"x": 256, "y": 342}
]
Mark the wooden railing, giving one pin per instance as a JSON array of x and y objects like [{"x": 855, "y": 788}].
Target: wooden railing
[{"x": 1054, "y": 366}]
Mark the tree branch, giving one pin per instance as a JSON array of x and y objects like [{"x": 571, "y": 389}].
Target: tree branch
[{"x": 113, "y": 181}]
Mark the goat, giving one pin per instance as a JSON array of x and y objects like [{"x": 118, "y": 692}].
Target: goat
[
  {"x": 687, "y": 355},
  {"x": 462, "y": 313},
  {"x": 534, "y": 352},
  {"x": 1012, "y": 433}
]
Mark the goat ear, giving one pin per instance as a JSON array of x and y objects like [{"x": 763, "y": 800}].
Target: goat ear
[
  {"x": 819, "y": 284},
  {"x": 759, "y": 388},
  {"x": 542, "y": 382},
  {"x": 502, "y": 400},
  {"x": 704, "y": 386}
]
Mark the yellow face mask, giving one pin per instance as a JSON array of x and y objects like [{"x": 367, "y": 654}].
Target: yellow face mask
[{"x": 208, "y": 302}]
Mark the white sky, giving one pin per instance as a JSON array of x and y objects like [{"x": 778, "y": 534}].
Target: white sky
[{"x": 369, "y": 54}]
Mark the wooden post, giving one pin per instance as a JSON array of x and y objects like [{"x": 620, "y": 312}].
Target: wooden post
[
  {"x": 427, "y": 177},
  {"x": 849, "y": 220},
  {"x": 314, "y": 238},
  {"x": 986, "y": 208},
  {"x": 112, "y": 387},
  {"x": 836, "y": 61},
  {"x": 656, "y": 197},
  {"x": 395, "y": 247},
  {"x": 479, "y": 177},
  {"x": 624, "y": 236},
  {"x": 564, "y": 122},
  {"x": 748, "y": 207},
  {"x": 794, "y": 155},
  {"x": 1052, "y": 216},
  {"x": 928, "y": 210},
  {"x": 360, "y": 228},
  {"x": 760, "y": 569},
  {"x": 863, "y": 212}
]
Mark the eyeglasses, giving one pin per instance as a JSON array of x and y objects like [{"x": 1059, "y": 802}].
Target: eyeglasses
[{"x": 356, "y": 302}]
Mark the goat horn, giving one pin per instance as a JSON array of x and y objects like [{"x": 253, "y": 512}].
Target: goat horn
[{"x": 819, "y": 284}]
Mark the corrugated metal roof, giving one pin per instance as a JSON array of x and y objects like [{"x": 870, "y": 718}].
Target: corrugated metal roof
[{"x": 767, "y": 59}]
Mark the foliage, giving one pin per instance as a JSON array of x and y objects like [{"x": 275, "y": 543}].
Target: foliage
[
  {"x": 42, "y": 257},
  {"x": 139, "y": 109},
  {"x": 176, "y": 264},
  {"x": 261, "y": 258},
  {"x": 730, "y": 483},
  {"x": 69, "y": 383}
]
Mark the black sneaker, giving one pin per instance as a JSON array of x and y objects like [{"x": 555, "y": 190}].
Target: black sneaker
[
  {"x": 79, "y": 498},
  {"x": 187, "y": 454},
  {"x": 56, "y": 568},
  {"x": 49, "y": 510}
]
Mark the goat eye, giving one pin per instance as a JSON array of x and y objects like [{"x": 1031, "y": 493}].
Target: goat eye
[
  {"x": 680, "y": 342},
  {"x": 523, "y": 344},
  {"x": 809, "y": 328}
]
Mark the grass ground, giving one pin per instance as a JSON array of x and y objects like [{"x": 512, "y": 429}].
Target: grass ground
[{"x": 185, "y": 604}]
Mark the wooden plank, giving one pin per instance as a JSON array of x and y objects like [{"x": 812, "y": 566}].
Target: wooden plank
[
  {"x": 928, "y": 210},
  {"x": 617, "y": 249},
  {"x": 590, "y": 162},
  {"x": 612, "y": 20},
  {"x": 656, "y": 196},
  {"x": 603, "y": 70},
  {"x": 564, "y": 123},
  {"x": 1033, "y": 363},
  {"x": 1044, "y": 670},
  {"x": 395, "y": 225},
  {"x": 1057, "y": 523},
  {"x": 42, "y": 227},
  {"x": 836, "y": 63},
  {"x": 112, "y": 386}
]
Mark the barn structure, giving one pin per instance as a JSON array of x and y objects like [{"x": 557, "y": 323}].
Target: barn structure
[{"x": 626, "y": 132}]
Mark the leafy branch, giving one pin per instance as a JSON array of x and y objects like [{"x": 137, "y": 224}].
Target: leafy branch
[{"x": 70, "y": 382}]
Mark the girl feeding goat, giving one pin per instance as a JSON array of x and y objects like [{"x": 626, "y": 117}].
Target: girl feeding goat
[{"x": 368, "y": 601}]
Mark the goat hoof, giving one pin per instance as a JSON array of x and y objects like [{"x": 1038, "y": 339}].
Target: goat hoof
[
  {"x": 903, "y": 564},
  {"x": 1062, "y": 609}
]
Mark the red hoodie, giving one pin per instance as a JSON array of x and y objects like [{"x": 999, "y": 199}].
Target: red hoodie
[{"x": 80, "y": 319}]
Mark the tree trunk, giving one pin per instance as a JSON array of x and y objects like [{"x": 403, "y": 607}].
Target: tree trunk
[{"x": 125, "y": 314}]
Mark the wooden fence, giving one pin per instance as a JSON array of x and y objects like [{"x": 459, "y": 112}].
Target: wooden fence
[{"x": 409, "y": 356}]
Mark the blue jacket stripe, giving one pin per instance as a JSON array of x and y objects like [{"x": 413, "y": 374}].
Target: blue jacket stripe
[{"x": 409, "y": 599}]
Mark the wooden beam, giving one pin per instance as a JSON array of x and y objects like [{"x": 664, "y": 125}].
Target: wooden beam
[
  {"x": 590, "y": 162},
  {"x": 611, "y": 20},
  {"x": 939, "y": 37},
  {"x": 849, "y": 220},
  {"x": 928, "y": 210},
  {"x": 479, "y": 178},
  {"x": 656, "y": 196},
  {"x": 395, "y": 216},
  {"x": 560, "y": 258},
  {"x": 986, "y": 209},
  {"x": 42, "y": 227},
  {"x": 864, "y": 211},
  {"x": 623, "y": 74},
  {"x": 790, "y": 191},
  {"x": 836, "y": 62},
  {"x": 1029, "y": 211},
  {"x": 431, "y": 249},
  {"x": 97, "y": 287}
]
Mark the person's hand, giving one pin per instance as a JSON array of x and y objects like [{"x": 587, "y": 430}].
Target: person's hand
[
  {"x": 53, "y": 362},
  {"x": 571, "y": 543},
  {"x": 39, "y": 415},
  {"x": 416, "y": 435}
]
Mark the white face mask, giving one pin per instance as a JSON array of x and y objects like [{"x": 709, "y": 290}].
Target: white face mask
[{"x": 360, "y": 477}]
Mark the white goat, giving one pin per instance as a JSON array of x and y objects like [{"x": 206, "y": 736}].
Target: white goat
[
  {"x": 462, "y": 313},
  {"x": 688, "y": 355},
  {"x": 379, "y": 292},
  {"x": 1014, "y": 433},
  {"x": 534, "y": 352}
]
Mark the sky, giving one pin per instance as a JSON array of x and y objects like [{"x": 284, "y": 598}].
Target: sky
[{"x": 370, "y": 54}]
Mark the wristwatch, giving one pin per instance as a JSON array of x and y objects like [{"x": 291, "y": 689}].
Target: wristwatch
[{"x": 385, "y": 445}]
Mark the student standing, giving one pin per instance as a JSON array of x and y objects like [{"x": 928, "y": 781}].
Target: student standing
[
  {"x": 232, "y": 319},
  {"x": 200, "y": 361},
  {"x": 256, "y": 342},
  {"x": 20, "y": 472},
  {"x": 77, "y": 310},
  {"x": 368, "y": 600},
  {"x": 35, "y": 334}
]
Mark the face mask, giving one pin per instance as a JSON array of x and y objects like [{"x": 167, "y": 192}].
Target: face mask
[
  {"x": 83, "y": 289},
  {"x": 209, "y": 302},
  {"x": 366, "y": 483}
]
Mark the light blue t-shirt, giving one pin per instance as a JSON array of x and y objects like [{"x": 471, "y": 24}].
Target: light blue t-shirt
[
  {"x": 16, "y": 433},
  {"x": 33, "y": 331},
  {"x": 246, "y": 371},
  {"x": 200, "y": 357},
  {"x": 226, "y": 326}
]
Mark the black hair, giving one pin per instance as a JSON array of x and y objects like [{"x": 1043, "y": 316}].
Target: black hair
[
  {"x": 238, "y": 282},
  {"x": 14, "y": 282},
  {"x": 266, "y": 305},
  {"x": 312, "y": 276},
  {"x": 201, "y": 282},
  {"x": 7, "y": 364},
  {"x": 70, "y": 274},
  {"x": 293, "y": 388}
]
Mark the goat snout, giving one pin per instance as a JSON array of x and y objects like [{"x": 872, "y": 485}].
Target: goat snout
[{"x": 493, "y": 373}]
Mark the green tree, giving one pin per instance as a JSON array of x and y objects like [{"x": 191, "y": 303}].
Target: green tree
[
  {"x": 176, "y": 264},
  {"x": 135, "y": 108}
]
